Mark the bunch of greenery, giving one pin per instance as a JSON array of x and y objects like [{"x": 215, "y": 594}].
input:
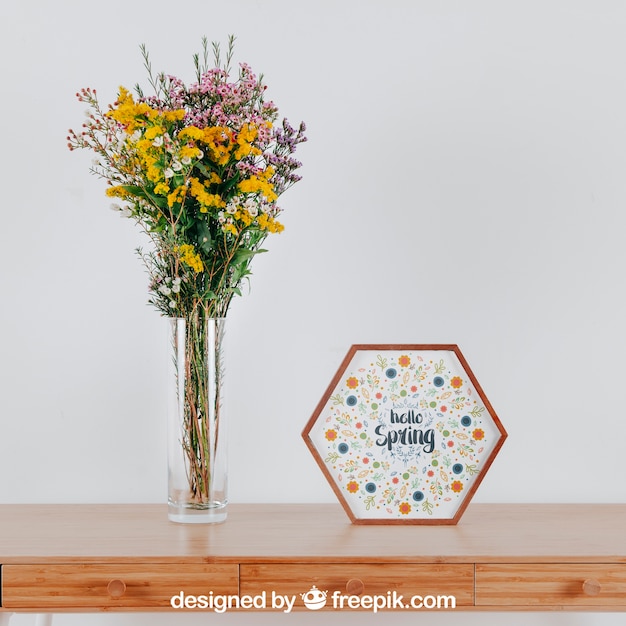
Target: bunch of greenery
[{"x": 200, "y": 169}]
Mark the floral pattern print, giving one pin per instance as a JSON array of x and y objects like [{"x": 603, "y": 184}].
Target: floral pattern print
[{"x": 410, "y": 434}]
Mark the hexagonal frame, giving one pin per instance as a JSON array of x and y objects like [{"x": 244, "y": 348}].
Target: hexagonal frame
[{"x": 427, "y": 468}]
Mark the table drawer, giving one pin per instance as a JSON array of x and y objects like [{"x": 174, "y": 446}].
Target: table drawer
[
  {"x": 125, "y": 586},
  {"x": 555, "y": 585},
  {"x": 361, "y": 579}
]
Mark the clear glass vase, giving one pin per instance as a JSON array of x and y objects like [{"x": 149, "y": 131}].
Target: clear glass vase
[{"x": 197, "y": 446}]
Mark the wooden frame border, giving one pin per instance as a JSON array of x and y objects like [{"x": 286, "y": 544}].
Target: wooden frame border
[{"x": 403, "y": 347}]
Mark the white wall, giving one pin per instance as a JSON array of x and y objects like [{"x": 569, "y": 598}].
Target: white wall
[{"x": 463, "y": 183}]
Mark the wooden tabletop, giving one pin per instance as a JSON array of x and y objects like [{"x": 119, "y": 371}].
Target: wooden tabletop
[{"x": 265, "y": 533}]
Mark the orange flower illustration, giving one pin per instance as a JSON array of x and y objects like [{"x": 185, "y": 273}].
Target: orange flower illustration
[
  {"x": 456, "y": 382},
  {"x": 404, "y": 361},
  {"x": 352, "y": 382},
  {"x": 478, "y": 434},
  {"x": 352, "y": 486},
  {"x": 331, "y": 435},
  {"x": 457, "y": 486},
  {"x": 405, "y": 508}
]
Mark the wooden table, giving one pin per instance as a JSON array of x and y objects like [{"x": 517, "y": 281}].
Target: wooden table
[{"x": 62, "y": 558}]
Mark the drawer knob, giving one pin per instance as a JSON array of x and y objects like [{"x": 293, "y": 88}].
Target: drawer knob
[
  {"x": 592, "y": 587},
  {"x": 355, "y": 587},
  {"x": 116, "y": 588}
]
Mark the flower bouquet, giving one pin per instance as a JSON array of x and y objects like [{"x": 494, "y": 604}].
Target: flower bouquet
[{"x": 200, "y": 169}]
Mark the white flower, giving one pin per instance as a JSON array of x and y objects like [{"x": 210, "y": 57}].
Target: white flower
[
  {"x": 172, "y": 304},
  {"x": 158, "y": 141},
  {"x": 165, "y": 290},
  {"x": 168, "y": 173},
  {"x": 177, "y": 165},
  {"x": 176, "y": 288},
  {"x": 186, "y": 160},
  {"x": 136, "y": 136},
  {"x": 124, "y": 211},
  {"x": 252, "y": 207}
]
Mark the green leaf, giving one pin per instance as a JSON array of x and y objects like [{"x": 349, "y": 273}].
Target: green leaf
[
  {"x": 140, "y": 192},
  {"x": 243, "y": 254},
  {"x": 230, "y": 183},
  {"x": 203, "y": 237},
  {"x": 203, "y": 169}
]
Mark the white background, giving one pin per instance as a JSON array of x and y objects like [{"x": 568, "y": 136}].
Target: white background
[{"x": 463, "y": 183}]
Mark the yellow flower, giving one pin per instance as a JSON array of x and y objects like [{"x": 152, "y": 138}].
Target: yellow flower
[
  {"x": 404, "y": 508},
  {"x": 191, "y": 132},
  {"x": 190, "y": 152},
  {"x": 176, "y": 196},
  {"x": 218, "y": 140},
  {"x": 127, "y": 111},
  {"x": 276, "y": 227},
  {"x": 352, "y": 382},
  {"x": 162, "y": 189},
  {"x": 259, "y": 184},
  {"x": 205, "y": 199},
  {"x": 117, "y": 192},
  {"x": 457, "y": 486},
  {"x": 230, "y": 228},
  {"x": 245, "y": 139},
  {"x": 244, "y": 217},
  {"x": 143, "y": 146},
  {"x": 174, "y": 116},
  {"x": 352, "y": 486},
  {"x": 153, "y": 132},
  {"x": 154, "y": 173},
  {"x": 247, "y": 134},
  {"x": 331, "y": 434},
  {"x": 269, "y": 223},
  {"x": 190, "y": 257}
]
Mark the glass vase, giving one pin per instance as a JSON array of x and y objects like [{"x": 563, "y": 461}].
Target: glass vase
[{"x": 197, "y": 454}]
